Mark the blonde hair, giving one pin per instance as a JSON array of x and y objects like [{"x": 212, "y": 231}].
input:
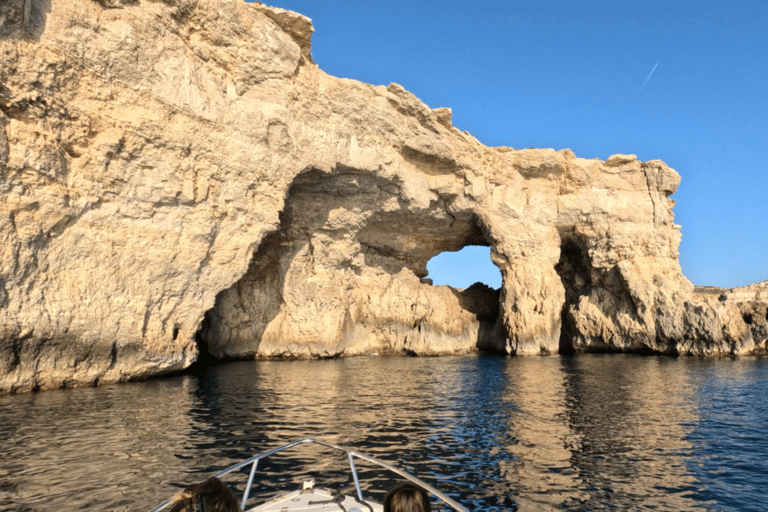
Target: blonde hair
[
  {"x": 208, "y": 496},
  {"x": 407, "y": 497}
]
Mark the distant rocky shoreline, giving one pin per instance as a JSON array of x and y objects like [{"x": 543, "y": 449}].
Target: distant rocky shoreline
[{"x": 179, "y": 179}]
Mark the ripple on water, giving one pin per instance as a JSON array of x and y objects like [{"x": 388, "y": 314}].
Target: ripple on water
[{"x": 565, "y": 433}]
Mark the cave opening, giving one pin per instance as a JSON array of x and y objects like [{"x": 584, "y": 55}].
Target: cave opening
[
  {"x": 575, "y": 271},
  {"x": 204, "y": 356}
]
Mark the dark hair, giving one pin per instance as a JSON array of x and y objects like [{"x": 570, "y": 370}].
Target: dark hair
[
  {"x": 208, "y": 496},
  {"x": 407, "y": 497}
]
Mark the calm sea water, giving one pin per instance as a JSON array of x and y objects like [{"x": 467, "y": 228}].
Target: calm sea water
[{"x": 591, "y": 432}]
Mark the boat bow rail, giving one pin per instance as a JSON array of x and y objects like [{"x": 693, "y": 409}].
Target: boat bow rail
[{"x": 351, "y": 455}]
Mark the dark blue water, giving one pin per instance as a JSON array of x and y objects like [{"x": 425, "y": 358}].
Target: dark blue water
[{"x": 591, "y": 432}]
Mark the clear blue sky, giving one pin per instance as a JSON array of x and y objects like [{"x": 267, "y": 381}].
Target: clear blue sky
[{"x": 576, "y": 75}]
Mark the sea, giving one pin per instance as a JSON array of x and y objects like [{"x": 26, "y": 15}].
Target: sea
[{"x": 585, "y": 432}]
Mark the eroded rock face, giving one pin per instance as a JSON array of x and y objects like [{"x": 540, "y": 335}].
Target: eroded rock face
[
  {"x": 178, "y": 173},
  {"x": 341, "y": 277}
]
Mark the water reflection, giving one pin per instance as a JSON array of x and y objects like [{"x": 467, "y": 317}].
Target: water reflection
[
  {"x": 101, "y": 448},
  {"x": 544, "y": 441},
  {"x": 629, "y": 414},
  {"x": 728, "y": 434},
  {"x": 565, "y": 433}
]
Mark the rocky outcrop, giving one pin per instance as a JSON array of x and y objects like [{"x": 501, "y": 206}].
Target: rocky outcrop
[
  {"x": 751, "y": 302},
  {"x": 179, "y": 175}
]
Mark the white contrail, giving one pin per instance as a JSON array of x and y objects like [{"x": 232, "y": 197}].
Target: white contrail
[{"x": 646, "y": 80}]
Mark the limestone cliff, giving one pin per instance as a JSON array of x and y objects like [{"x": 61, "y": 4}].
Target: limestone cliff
[{"x": 178, "y": 174}]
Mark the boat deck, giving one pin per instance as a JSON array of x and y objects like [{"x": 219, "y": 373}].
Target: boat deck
[{"x": 316, "y": 500}]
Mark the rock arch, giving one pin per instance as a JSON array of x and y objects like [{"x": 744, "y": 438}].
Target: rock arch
[
  {"x": 342, "y": 276},
  {"x": 166, "y": 173}
]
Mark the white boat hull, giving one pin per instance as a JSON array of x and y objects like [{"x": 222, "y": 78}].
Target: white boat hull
[{"x": 316, "y": 500}]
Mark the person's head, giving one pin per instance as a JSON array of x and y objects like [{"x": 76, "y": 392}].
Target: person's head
[
  {"x": 407, "y": 497},
  {"x": 208, "y": 496}
]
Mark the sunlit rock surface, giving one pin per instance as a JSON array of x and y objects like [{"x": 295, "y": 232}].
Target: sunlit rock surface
[{"x": 179, "y": 176}]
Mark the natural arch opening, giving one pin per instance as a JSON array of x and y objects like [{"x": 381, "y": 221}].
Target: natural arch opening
[
  {"x": 461, "y": 269},
  {"x": 476, "y": 282}
]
